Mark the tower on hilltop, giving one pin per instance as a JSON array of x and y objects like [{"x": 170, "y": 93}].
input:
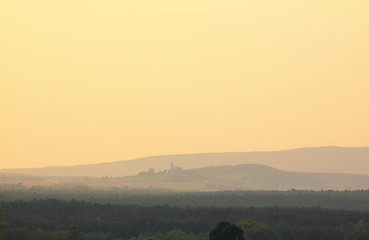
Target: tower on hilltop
[{"x": 174, "y": 169}]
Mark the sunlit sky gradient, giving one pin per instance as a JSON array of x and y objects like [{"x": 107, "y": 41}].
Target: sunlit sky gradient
[{"x": 85, "y": 81}]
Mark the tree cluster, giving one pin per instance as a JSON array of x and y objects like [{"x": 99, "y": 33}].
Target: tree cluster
[{"x": 57, "y": 219}]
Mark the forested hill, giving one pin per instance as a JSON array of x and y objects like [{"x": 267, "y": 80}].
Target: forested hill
[
  {"x": 51, "y": 219},
  {"x": 240, "y": 177},
  {"x": 348, "y": 200},
  {"x": 320, "y": 159},
  {"x": 220, "y": 178}
]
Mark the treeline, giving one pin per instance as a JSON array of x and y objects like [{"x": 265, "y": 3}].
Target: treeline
[
  {"x": 349, "y": 200},
  {"x": 58, "y": 219}
]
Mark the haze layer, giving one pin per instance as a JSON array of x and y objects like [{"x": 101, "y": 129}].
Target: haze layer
[{"x": 94, "y": 81}]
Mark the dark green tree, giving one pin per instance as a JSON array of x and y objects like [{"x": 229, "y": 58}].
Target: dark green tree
[
  {"x": 226, "y": 231},
  {"x": 360, "y": 231},
  {"x": 73, "y": 233},
  {"x": 257, "y": 231},
  {"x": 3, "y": 224}
]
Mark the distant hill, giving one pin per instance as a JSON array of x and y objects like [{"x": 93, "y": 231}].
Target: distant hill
[
  {"x": 256, "y": 177},
  {"x": 220, "y": 178},
  {"x": 318, "y": 160},
  {"x": 245, "y": 177}
]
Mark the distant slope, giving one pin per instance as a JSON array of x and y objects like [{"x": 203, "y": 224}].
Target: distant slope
[
  {"x": 220, "y": 178},
  {"x": 320, "y": 159},
  {"x": 246, "y": 177}
]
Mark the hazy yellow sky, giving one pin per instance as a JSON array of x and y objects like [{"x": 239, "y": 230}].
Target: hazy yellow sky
[{"x": 85, "y": 81}]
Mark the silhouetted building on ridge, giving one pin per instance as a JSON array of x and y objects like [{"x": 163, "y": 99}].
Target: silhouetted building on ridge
[{"x": 174, "y": 169}]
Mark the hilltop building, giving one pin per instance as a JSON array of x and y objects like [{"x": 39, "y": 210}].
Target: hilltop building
[{"x": 174, "y": 169}]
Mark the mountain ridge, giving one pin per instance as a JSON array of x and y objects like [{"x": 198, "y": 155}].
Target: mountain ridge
[
  {"x": 216, "y": 178},
  {"x": 330, "y": 159}
]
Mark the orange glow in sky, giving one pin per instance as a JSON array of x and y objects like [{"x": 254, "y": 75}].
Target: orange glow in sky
[{"x": 93, "y": 81}]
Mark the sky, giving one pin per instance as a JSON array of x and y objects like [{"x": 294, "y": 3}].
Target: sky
[{"x": 87, "y": 81}]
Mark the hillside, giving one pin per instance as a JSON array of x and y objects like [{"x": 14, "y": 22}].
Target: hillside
[
  {"x": 245, "y": 177},
  {"x": 220, "y": 178},
  {"x": 320, "y": 159}
]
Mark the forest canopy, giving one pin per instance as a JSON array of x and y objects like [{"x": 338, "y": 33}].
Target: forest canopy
[{"x": 63, "y": 219}]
